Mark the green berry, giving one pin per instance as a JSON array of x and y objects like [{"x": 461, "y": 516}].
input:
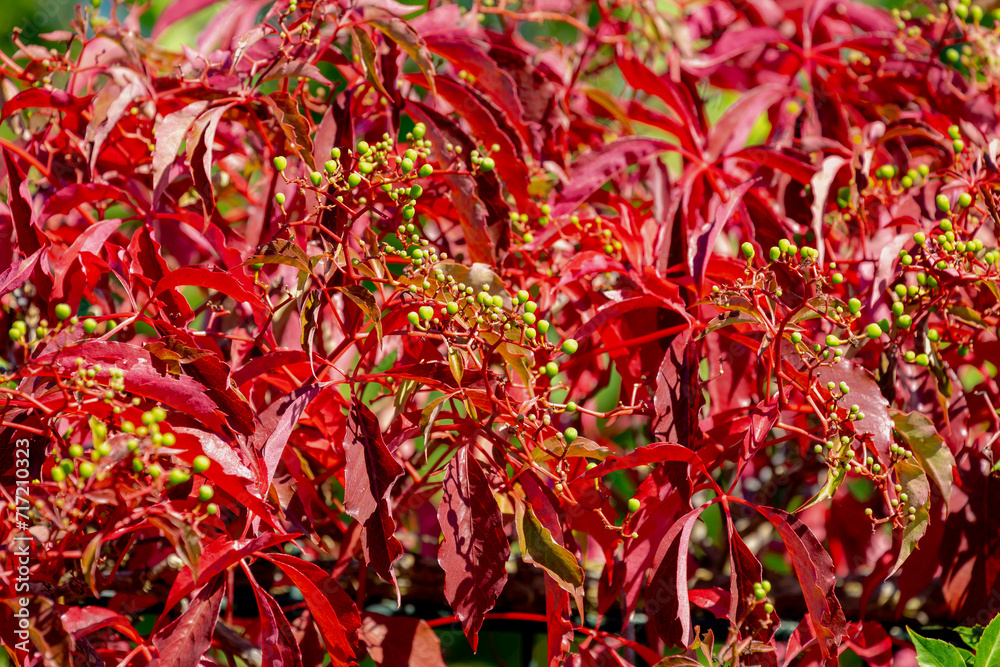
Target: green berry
[
  {"x": 634, "y": 504},
  {"x": 570, "y": 346},
  {"x": 201, "y": 463},
  {"x": 57, "y": 474},
  {"x": 177, "y": 476},
  {"x": 769, "y": 608},
  {"x": 137, "y": 465},
  {"x": 426, "y": 312},
  {"x": 873, "y": 331},
  {"x": 413, "y": 318},
  {"x": 904, "y": 321},
  {"x": 923, "y": 360},
  {"x": 571, "y": 434},
  {"x": 212, "y": 508},
  {"x": 89, "y": 326},
  {"x": 837, "y": 278},
  {"x": 832, "y": 341},
  {"x": 919, "y": 238},
  {"x": 552, "y": 369},
  {"x": 452, "y": 307},
  {"x": 748, "y": 250},
  {"x": 63, "y": 311},
  {"x": 942, "y": 203},
  {"x": 363, "y": 148},
  {"x": 543, "y": 326},
  {"x": 487, "y": 164},
  {"x": 854, "y": 305},
  {"x": 425, "y": 171},
  {"x": 76, "y": 451},
  {"x": 354, "y": 179},
  {"x": 87, "y": 470},
  {"x": 280, "y": 163},
  {"x": 964, "y": 199},
  {"x": 958, "y": 144},
  {"x": 280, "y": 198},
  {"x": 528, "y": 318},
  {"x": 205, "y": 493},
  {"x": 15, "y": 334},
  {"x": 316, "y": 178}
]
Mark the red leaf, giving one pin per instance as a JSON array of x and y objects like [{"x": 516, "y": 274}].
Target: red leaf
[
  {"x": 181, "y": 393},
  {"x": 43, "y": 99},
  {"x": 865, "y": 392},
  {"x": 746, "y": 571},
  {"x": 71, "y": 196},
  {"x": 278, "y": 645},
  {"x": 216, "y": 557},
  {"x": 18, "y": 273},
  {"x": 81, "y": 621},
  {"x": 474, "y": 550},
  {"x": 667, "y": 594},
  {"x": 396, "y": 641},
  {"x": 277, "y": 422},
  {"x": 594, "y": 168},
  {"x": 370, "y": 475},
  {"x": 185, "y": 641},
  {"x": 703, "y": 247},
  {"x": 814, "y": 569},
  {"x": 170, "y": 134},
  {"x": 228, "y": 283},
  {"x": 332, "y": 609},
  {"x": 658, "y": 452}
]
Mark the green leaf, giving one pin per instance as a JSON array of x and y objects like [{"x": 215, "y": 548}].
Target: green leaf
[
  {"x": 834, "y": 478},
  {"x": 988, "y": 650},
  {"x": 930, "y": 449},
  {"x": 407, "y": 38},
  {"x": 367, "y": 51},
  {"x": 366, "y": 302},
  {"x": 934, "y": 652},
  {"x": 538, "y": 548},
  {"x": 971, "y": 636},
  {"x": 579, "y": 447},
  {"x": 911, "y": 535}
]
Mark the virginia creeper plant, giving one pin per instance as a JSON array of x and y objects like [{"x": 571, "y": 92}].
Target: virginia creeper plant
[{"x": 670, "y": 331}]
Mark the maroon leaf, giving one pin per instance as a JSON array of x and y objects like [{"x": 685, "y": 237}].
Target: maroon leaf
[
  {"x": 474, "y": 550},
  {"x": 276, "y": 424},
  {"x": 815, "y": 572},
  {"x": 81, "y": 621},
  {"x": 395, "y": 641},
  {"x": 667, "y": 594},
  {"x": 333, "y": 610},
  {"x": 185, "y": 641},
  {"x": 278, "y": 645},
  {"x": 370, "y": 475}
]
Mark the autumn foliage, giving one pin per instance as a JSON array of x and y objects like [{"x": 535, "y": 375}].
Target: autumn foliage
[{"x": 658, "y": 329}]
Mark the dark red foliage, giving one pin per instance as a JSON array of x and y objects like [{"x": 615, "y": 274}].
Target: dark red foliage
[{"x": 656, "y": 330}]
